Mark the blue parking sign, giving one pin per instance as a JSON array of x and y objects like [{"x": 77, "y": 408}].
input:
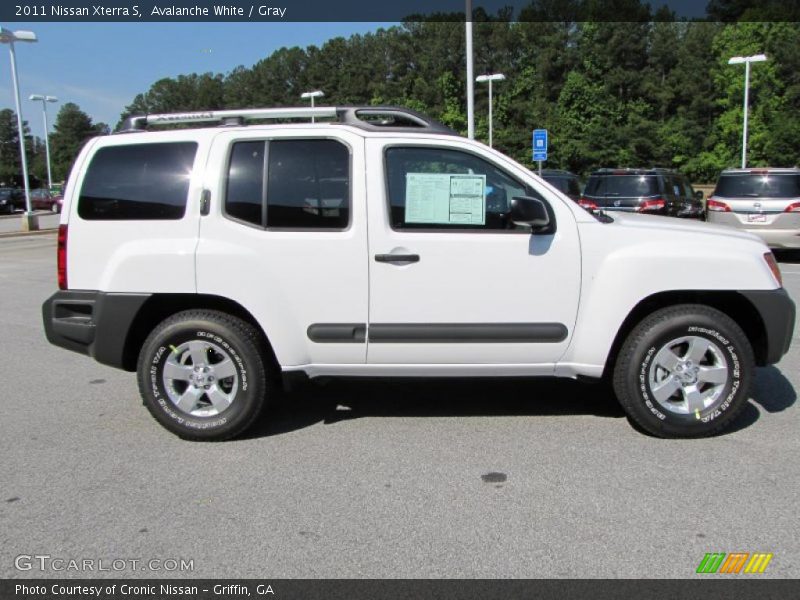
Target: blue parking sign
[{"x": 540, "y": 144}]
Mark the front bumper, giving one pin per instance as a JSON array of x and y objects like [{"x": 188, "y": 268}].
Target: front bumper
[
  {"x": 93, "y": 323},
  {"x": 777, "y": 312}
]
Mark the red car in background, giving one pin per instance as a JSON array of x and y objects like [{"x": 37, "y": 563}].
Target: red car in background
[{"x": 43, "y": 199}]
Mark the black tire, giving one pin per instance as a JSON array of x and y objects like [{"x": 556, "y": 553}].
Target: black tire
[
  {"x": 225, "y": 338},
  {"x": 638, "y": 366}
]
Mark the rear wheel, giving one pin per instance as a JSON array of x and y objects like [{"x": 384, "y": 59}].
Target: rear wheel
[
  {"x": 201, "y": 375},
  {"x": 684, "y": 371}
]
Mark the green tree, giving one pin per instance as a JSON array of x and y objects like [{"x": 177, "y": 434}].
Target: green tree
[
  {"x": 646, "y": 90},
  {"x": 10, "y": 163},
  {"x": 72, "y": 129}
]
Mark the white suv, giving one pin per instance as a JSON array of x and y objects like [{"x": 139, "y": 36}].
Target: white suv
[{"x": 220, "y": 262}]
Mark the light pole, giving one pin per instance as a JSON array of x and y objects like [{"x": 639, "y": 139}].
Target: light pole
[
  {"x": 7, "y": 36},
  {"x": 312, "y": 95},
  {"x": 44, "y": 100},
  {"x": 737, "y": 60},
  {"x": 470, "y": 74},
  {"x": 490, "y": 78}
]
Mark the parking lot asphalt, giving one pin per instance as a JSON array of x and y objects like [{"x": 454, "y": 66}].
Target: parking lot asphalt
[{"x": 486, "y": 479}]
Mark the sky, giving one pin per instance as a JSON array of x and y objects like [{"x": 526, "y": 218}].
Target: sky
[{"x": 102, "y": 66}]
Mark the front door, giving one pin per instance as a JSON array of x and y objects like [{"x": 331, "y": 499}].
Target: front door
[{"x": 452, "y": 280}]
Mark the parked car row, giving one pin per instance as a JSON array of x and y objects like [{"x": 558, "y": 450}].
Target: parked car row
[
  {"x": 13, "y": 199},
  {"x": 652, "y": 191},
  {"x": 764, "y": 201}
]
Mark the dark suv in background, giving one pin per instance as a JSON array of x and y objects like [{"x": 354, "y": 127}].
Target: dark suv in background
[
  {"x": 7, "y": 199},
  {"x": 652, "y": 191},
  {"x": 564, "y": 181},
  {"x": 763, "y": 201}
]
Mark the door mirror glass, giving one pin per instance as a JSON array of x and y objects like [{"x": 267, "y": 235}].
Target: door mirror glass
[{"x": 530, "y": 211}]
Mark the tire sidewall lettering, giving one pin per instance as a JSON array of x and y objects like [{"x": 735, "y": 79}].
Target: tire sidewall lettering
[
  {"x": 733, "y": 384},
  {"x": 155, "y": 380}
]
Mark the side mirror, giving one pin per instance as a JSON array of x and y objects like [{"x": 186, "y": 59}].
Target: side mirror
[
  {"x": 529, "y": 211},
  {"x": 698, "y": 195}
]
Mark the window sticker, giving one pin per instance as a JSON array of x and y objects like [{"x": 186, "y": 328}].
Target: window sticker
[{"x": 445, "y": 199}]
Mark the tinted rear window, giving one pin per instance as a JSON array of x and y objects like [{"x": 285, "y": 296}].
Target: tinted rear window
[
  {"x": 622, "y": 185},
  {"x": 771, "y": 185},
  {"x": 308, "y": 184},
  {"x": 138, "y": 182}
]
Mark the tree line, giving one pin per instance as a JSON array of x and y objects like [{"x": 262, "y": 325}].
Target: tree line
[
  {"x": 71, "y": 129},
  {"x": 649, "y": 90},
  {"x": 655, "y": 92}
]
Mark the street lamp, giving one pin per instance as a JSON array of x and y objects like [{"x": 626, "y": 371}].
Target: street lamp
[
  {"x": 737, "y": 60},
  {"x": 7, "y": 36},
  {"x": 44, "y": 100},
  {"x": 312, "y": 95},
  {"x": 470, "y": 84},
  {"x": 490, "y": 78}
]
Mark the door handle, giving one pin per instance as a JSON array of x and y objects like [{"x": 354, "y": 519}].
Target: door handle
[
  {"x": 205, "y": 202},
  {"x": 397, "y": 258}
]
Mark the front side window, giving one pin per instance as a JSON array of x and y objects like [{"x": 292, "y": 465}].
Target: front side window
[
  {"x": 436, "y": 188},
  {"x": 138, "y": 182},
  {"x": 290, "y": 184}
]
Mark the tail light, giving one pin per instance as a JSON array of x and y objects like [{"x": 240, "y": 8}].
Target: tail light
[
  {"x": 717, "y": 206},
  {"x": 587, "y": 204},
  {"x": 654, "y": 204},
  {"x": 793, "y": 207},
  {"x": 769, "y": 257},
  {"x": 62, "y": 257}
]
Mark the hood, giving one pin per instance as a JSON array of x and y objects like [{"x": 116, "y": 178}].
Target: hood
[{"x": 685, "y": 226}]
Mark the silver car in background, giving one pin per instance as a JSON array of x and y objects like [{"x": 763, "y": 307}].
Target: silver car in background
[{"x": 764, "y": 201}]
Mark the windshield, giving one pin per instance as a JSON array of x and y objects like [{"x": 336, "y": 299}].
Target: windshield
[
  {"x": 622, "y": 185},
  {"x": 758, "y": 185}
]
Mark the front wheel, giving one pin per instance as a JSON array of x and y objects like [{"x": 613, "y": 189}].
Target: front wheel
[
  {"x": 684, "y": 371},
  {"x": 201, "y": 375}
]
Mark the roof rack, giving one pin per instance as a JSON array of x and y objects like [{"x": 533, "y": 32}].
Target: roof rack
[{"x": 370, "y": 118}]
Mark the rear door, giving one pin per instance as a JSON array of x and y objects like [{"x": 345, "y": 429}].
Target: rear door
[
  {"x": 758, "y": 196},
  {"x": 286, "y": 239}
]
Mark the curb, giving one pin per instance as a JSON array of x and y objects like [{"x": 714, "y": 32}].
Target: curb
[{"x": 13, "y": 234}]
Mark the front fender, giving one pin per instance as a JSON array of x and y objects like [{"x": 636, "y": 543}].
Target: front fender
[{"x": 620, "y": 273}]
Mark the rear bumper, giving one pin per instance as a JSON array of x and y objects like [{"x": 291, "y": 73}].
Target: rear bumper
[
  {"x": 92, "y": 323},
  {"x": 781, "y": 231},
  {"x": 777, "y": 311}
]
